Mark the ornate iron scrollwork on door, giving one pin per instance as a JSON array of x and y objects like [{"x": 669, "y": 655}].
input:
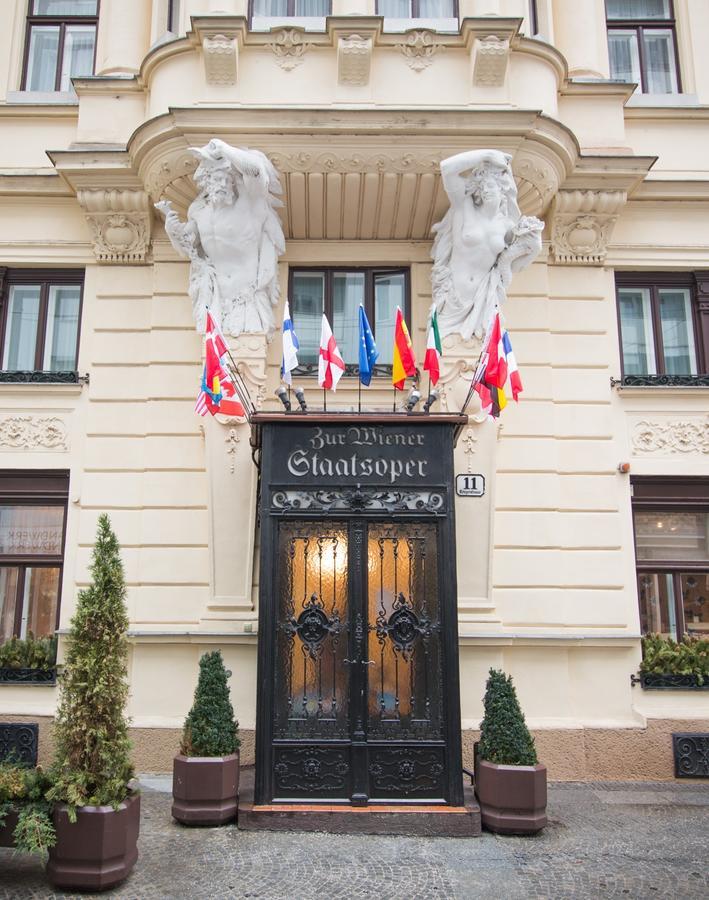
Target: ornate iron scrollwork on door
[
  {"x": 403, "y": 626},
  {"x": 312, "y": 626}
]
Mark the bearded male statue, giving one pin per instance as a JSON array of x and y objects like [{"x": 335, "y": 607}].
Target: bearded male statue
[
  {"x": 480, "y": 242},
  {"x": 232, "y": 237}
]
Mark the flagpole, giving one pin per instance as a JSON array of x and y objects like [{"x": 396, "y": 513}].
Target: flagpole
[
  {"x": 324, "y": 399},
  {"x": 393, "y": 406},
  {"x": 483, "y": 347},
  {"x": 359, "y": 393}
]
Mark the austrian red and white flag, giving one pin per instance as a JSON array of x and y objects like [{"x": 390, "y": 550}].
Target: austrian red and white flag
[{"x": 331, "y": 366}]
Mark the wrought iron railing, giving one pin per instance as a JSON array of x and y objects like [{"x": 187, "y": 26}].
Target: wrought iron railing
[
  {"x": 661, "y": 681},
  {"x": 22, "y": 377},
  {"x": 661, "y": 381},
  {"x": 28, "y": 676}
]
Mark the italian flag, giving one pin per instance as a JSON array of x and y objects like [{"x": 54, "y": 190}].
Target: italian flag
[{"x": 434, "y": 351}]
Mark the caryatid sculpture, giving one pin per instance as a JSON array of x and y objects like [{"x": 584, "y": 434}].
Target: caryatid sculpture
[
  {"x": 232, "y": 237},
  {"x": 480, "y": 242}
]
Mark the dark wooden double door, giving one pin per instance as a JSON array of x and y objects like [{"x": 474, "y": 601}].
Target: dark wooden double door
[{"x": 363, "y": 649}]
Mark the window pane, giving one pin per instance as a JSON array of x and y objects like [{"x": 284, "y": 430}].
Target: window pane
[
  {"x": 31, "y": 530},
  {"x": 389, "y": 292},
  {"x": 42, "y": 59},
  {"x": 78, "y": 53},
  {"x": 8, "y": 597},
  {"x": 21, "y": 334},
  {"x": 638, "y": 9},
  {"x": 695, "y": 600},
  {"x": 312, "y": 7},
  {"x": 395, "y": 9},
  {"x": 347, "y": 294},
  {"x": 436, "y": 9},
  {"x": 307, "y": 308},
  {"x": 62, "y": 328},
  {"x": 657, "y": 604},
  {"x": 636, "y": 334},
  {"x": 672, "y": 535},
  {"x": 624, "y": 55},
  {"x": 65, "y": 7},
  {"x": 677, "y": 332},
  {"x": 270, "y": 8},
  {"x": 39, "y": 603},
  {"x": 661, "y": 74}
]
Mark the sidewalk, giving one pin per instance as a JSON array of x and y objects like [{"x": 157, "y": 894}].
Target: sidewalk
[{"x": 639, "y": 840}]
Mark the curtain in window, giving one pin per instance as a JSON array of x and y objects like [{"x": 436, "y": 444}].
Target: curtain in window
[
  {"x": 436, "y": 9},
  {"x": 638, "y": 9},
  {"x": 272, "y": 8},
  {"x": 624, "y": 56},
  {"x": 636, "y": 332},
  {"x": 312, "y": 8},
  {"x": 389, "y": 292},
  {"x": 657, "y": 604},
  {"x": 78, "y": 53},
  {"x": 347, "y": 294},
  {"x": 661, "y": 74},
  {"x": 307, "y": 304},
  {"x": 394, "y": 9},
  {"x": 39, "y": 604},
  {"x": 65, "y": 7},
  {"x": 62, "y": 329},
  {"x": 42, "y": 58},
  {"x": 695, "y": 601},
  {"x": 677, "y": 333},
  {"x": 8, "y": 598},
  {"x": 21, "y": 336}
]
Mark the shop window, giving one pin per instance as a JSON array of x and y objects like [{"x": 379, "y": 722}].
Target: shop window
[
  {"x": 671, "y": 518},
  {"x": 60, "y": 43},
  {"x": 417, "y": 9},
  {"x": 41, "y": 312},
  {"x": 660, "y": 328},
  {"x": 32, "y": 525},
  {"x": 642, "y": 44},
  {"x": 338, "y": 293}
]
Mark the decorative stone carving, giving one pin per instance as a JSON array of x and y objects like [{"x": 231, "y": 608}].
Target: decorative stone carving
[
  {"x": 33, "y": 433},
  {"x": 289, "y": 48},
  {"x": 417, "y": 163},
  {"x": 469, "y": 442},
  {"x": 231, "y": 440},
  {"x": 181, "y": 165},
  {"x": 354, "y": 59},
  {"x": 120, "y": 224},
  {"x": 537, "y": 182},
  {"x": 232, "y": 237},
  {"x": 480, "y": 242},
  {"x": 679, "y": 436},
  {"x": 419, "y": 48},
  {"x": 582, "y": 222},
  {"x": 220, "y": 59},
  {"x": 489, "y": 57}
]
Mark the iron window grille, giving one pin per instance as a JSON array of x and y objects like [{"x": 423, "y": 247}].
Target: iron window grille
[
  {"x": 63, "y": 31},
  {"x": 642, "y": 44}
]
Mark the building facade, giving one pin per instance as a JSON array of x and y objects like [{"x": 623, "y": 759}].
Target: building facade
[{"x": 593, "y": 526}]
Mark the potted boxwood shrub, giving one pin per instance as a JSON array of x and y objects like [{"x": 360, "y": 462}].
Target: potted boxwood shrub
[
  {"x": 510, "y": 783},
  {"x": 205, "y": 779},
  {"x": 25, "y": 814},
  {"x": 96, "y": 811}
]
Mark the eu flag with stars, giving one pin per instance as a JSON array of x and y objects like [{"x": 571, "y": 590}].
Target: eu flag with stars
[{"x": 368, "y": 353}]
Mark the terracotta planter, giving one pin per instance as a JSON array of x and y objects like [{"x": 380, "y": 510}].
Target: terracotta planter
[
  {"x": 205, "y": 789},
  {"x": 7, "y": 830},
  {"x": 99, "y": 850},
  {"x": 513, "y": 799}
]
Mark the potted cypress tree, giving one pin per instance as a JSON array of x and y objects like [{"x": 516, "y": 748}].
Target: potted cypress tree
[
  {"x": 510, "y": 783},
  {"x": 205, "y": 779},
  {"x": 96, "y": 811}
]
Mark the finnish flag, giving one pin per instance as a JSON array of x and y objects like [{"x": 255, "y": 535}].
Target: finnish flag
[{"x": 290, "y": 347}]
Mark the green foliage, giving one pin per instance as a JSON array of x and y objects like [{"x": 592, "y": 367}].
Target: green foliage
[
  {"x": 210, "y": 728},
  {"x": 504, "y": 736},
  {"x": 92, "y": 759},
  {"x": 22, "y": 790},
  {"x": 663, "y": 656},
  {"x": 29, "y": 653}
]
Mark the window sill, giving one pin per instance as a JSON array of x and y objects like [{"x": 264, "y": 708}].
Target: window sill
[
  {"x": 31, "y": 677},
  {"x": 663, "y": 100},
  {"x": 42, "y": 98}
]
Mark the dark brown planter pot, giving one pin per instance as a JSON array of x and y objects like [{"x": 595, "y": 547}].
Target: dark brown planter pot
[
  {"x": 205, "y": 789},
  {"x": 7, "y": 830},
  {"x": 513, "y": 799},
  {"x": 99, "y": 850}
]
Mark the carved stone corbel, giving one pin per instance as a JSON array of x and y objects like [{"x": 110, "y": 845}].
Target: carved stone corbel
[
  {"x": 490, "y": 56},
  {"x": 354, "y": 59},
  {"x": 581, "y": 225},
  {"x": 221, "y": 56},
  {"x": 120, "y": 223},
  {"x": 419, "y": 48}
]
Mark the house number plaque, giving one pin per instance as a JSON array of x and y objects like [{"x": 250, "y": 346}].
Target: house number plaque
[{"x": 470, "y": 485}]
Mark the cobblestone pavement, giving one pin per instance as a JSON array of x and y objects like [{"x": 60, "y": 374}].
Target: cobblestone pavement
[{"x": 603, "y": 840}]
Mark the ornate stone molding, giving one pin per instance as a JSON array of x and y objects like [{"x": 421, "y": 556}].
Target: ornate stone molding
[
  {"x": 354, "y": 59},
  {"x": 419, "y": 48},
  {"x": 490, "y": 56},
  {"x": 33, "y": 433},
  {"x": 582, "y": 223},
  {"x": 220, "y": 53},
  {"x": 120, "y": 223},
  {"x": 289, "y": 48},
  {"x": 379, "y": 163},
  {"x": 683, "y": 436}
]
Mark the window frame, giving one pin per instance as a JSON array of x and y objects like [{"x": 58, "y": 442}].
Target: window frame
[
  {"x": 62, "y": 22},
  {"x": 370, "y": 273},
  {"x": 639, "y": 25},
  {"x": 415, "y": 12},
  {"x": 654, "y": 282},
  {"x": 289, "y": 14},
  {"x": 30, "y": 487},
  {"x": 45, "y": 278}
]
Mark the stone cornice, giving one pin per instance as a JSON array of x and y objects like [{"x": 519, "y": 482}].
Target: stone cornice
[
  {"x": 33, "y": 183},
  {"x": 672, "y": 191},
  {"x": 39, "y": 110}
]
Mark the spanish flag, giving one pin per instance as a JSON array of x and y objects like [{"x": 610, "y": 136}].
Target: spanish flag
[{"x": 403, "y": 362}]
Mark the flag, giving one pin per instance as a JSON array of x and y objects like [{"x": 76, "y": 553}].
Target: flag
[
  {"x": 331, "y": 366},
  {"x": 368, "y": 353},
  {"x": 404, "y": 362},
  {"x": 496, "y": 369},
  {"x": 218, "y": 393},
  {"x": 290, "y": 347},
  {"x": 497, "y": 365},
  {"x": 512, "y": 370},
  {"x": 434, "y": 351}
]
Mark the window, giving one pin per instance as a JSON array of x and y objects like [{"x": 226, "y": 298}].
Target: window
[
  {"x": 173, "y": 16},
  {"x": 671, "y": 517},
  {"x": 660, "y": 328},
  {"x": 418, "y": 9},
  {"x": 642, "y": 44},
  {"x": 338, "y": 293},
  {"x": 40, "y": 321},
  {"x": 61, "y": 43},
  {"x": 32, "y": 524},
  {"x": 281, "y": 9}
]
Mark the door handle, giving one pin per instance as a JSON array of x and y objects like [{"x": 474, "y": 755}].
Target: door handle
[{"x": 358, "y": 662}]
